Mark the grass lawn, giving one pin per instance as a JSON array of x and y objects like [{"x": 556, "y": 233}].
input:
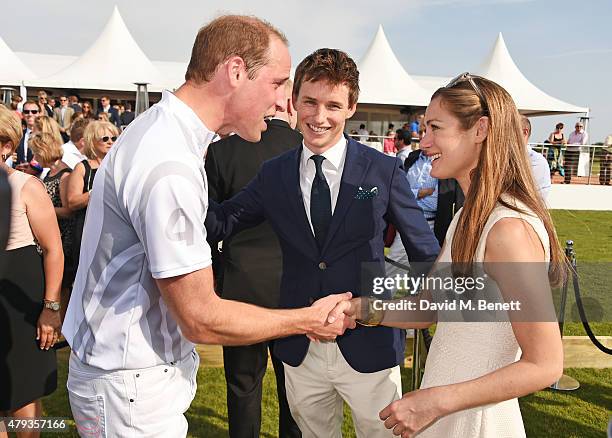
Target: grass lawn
[
  {"x": 591, "y": 232},
  {"x": 578, "y": 414},
  {"x": 581, "y": 414}
]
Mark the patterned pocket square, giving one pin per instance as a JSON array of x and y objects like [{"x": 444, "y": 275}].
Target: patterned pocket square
[{"x": 366, "y": 193}]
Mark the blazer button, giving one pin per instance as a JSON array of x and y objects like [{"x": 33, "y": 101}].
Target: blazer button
[{"x": 322, "y": 266}]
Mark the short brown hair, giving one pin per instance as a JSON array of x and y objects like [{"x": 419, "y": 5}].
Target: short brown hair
[
  {"x": 526, "y": 125},
  {"x": 46, "y": 147},
  {"x": 231, "y": 35},
  {"x": 10, "y": 128},
  {"x": 331, "y": 65},
  {"x": 77, "y": 129},
  {"x": 31, "y": 102}
]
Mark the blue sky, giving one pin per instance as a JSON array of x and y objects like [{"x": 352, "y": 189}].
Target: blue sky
[{"x": 564, "y": 47}]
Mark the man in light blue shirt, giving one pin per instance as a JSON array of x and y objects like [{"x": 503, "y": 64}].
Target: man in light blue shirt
[
  {"x": 539, "y": 165},
  {"x": 424, "y": 187}
]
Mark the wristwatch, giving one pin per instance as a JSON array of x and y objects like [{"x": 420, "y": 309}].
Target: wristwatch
[
  {"x": 52, "y": 305},
  {"x": 372, "y": 317}
]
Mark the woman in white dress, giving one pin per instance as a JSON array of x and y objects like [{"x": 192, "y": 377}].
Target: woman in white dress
[{"x": 476, "y": 370}]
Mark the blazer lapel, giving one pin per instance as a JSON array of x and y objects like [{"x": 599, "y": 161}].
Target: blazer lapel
[
  {"x": 355, "y": 168},
  {"x": 291, "y": 180}
]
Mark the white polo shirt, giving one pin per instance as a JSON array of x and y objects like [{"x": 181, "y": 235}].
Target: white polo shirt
[{"x": 145, "y": 221}]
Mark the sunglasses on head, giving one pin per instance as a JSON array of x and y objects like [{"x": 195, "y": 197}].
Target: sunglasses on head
[
  {"x": 106, "y": 138},
  {"x": 463, "y": 77},
  {"x": 34, "y": 111}
]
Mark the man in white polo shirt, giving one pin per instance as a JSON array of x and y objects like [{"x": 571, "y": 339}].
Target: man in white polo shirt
[{"x": 143, "y": 294}]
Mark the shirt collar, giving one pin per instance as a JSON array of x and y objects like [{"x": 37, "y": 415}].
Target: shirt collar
[
  {"x": 424, "y": 157},
  {"x": 334, "y": 154},
  {"x": 203, "y": 135}
]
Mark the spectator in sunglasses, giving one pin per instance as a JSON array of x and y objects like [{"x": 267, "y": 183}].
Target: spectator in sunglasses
[
  {"x": 99, "y": 137},
  {"x": 112, "y": 112},
  {"x": 87, "y": 112},
  {"x": 31, "y": 111},
  {"x": 44, "y": 103}
]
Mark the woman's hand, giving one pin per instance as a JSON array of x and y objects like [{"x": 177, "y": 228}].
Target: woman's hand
[
  {"x": 414, "y": 411},
  {"x": 48, "y": 328}
]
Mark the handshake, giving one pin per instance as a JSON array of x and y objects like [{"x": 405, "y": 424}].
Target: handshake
[{"x": 333, "y": 315}]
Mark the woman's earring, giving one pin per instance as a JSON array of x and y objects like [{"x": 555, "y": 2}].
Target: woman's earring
[{"x": 4, "y": 157}]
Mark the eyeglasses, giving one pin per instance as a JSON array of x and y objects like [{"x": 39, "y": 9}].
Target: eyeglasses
[
  {"x": 25, "y": 111},
  {"x": 106, "y": 138},
  {"x": 470, "y": 78}
]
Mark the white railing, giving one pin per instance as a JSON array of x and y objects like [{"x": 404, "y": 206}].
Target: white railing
[{"x": 587, "y": 156}]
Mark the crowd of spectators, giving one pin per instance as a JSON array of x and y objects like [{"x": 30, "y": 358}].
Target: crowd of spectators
[
  {"x": 66, "y": 108},
  {"x": 51, "y": 155}
]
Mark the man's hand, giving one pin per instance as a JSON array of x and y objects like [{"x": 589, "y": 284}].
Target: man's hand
[
  {"x": 413, "y": 412},
  {"x": 424, "y": 192},
  {"x": 333, "y": 321},
  {"x": 27, "y": 168}
]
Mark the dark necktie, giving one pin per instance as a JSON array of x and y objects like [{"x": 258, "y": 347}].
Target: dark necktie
[{"x": 320, "y": 202}]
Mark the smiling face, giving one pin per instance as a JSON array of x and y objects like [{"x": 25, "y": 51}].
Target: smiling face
[
  {"x": 30, "y": 112},
  {"x": 454, "y": 151},
  {"x": 322, "y": 113},
  {"x": 104, "y": 143},
  {"x": 257, "y": 99}
]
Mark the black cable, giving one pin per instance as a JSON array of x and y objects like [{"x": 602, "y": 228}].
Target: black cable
[{"x": 583, "y": 318}]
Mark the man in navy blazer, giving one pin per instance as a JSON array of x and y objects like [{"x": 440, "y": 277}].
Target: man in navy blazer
[{"x": 329, "y": 202}]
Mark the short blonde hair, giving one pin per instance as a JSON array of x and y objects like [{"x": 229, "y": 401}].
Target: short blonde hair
[
  {"x": 10, "y": 128},
  {"x": 46, "y": 147},
  {"x": 94, "y": 132},
  {"x": 46, "y": 125}
]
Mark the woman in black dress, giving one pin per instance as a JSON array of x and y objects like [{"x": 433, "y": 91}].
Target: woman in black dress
[
  {"x": 48, "y": 152},
  {"x": 29, "y": 288},
  {"x": 99, "y": 136}
]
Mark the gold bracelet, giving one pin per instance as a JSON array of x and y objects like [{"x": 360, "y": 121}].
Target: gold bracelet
[{"x": 373, "y": 316}]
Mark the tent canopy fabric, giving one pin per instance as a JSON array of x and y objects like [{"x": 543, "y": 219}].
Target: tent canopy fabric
[
  {"x": 383, "y": 80},
  {"x": 12, "y": 70},
  {"x": 113, "y": 62},
  {"x": 529, "y": 99}
]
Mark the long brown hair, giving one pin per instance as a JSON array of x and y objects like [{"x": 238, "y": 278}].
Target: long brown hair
[{"x": 503, "y": 168}]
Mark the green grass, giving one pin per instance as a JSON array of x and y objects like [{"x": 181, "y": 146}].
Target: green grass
[
  {"x": 578, "y": 414},
  {"x": 591, "y": 232}
]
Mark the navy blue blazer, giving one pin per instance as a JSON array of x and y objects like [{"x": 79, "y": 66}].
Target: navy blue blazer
[{"x": 355, "y": 238}]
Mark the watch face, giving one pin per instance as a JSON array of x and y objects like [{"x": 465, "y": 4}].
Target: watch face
[{"x": 52, "y": 306}]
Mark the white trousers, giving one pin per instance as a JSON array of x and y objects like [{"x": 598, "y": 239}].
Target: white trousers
[
  {"x": 317, "y": 387},
  {"x": 148, "y": 402}
]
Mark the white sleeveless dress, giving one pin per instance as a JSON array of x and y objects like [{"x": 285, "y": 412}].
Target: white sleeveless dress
[{"x": 462, "y": 351}]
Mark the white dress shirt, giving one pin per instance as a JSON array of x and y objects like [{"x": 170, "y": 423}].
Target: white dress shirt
[
  {"x": 333, "y": 165},
  {"x": 72, "y": 156},
  {"x": 541, "y": 172},
  {"x": 26, "y": 138}
]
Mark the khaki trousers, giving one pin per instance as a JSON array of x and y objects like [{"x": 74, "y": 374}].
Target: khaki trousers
[{"x": 317, "y": 387}]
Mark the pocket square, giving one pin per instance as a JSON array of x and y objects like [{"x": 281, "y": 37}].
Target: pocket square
[{"x": 366, "y": 193}]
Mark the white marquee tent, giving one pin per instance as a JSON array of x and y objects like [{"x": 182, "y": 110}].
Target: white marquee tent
[
  {"x": 12, "y": 69},
  {"x": 530, "y": 100},
  {"x": 383, "y": 80},
  {"x": 113, "y": 62}
]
